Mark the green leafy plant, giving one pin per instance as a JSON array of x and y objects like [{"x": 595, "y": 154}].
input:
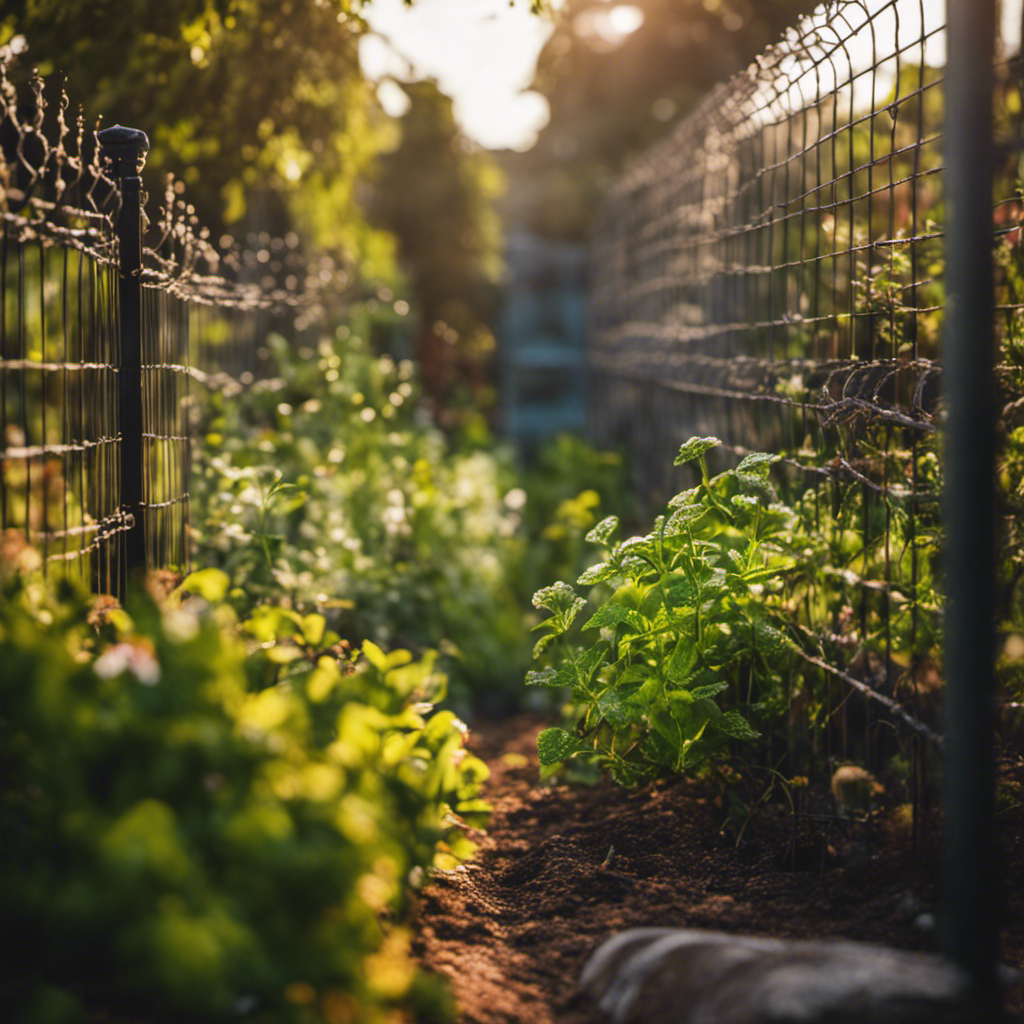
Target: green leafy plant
[
  {"x": 372, "y": 518},
  {"x": 388, "y": 532},
  {"x": 203, "y": 818},
  {"x": 684, "y": 616}
]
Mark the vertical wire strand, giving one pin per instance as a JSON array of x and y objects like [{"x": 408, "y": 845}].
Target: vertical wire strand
[
  {"x": 5, "y": 521},
  {"x": 44, "y": 488},
  {"x": 23, "y": 380},
  {"x": 65, "y": 419}
]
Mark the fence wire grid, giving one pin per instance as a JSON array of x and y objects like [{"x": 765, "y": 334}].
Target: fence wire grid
[
  {"x": 204, "y": 318},
  {"x": 771, "y": 274}
]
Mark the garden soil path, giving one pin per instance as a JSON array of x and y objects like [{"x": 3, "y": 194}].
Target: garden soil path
[{"x": 561, "y": 867}]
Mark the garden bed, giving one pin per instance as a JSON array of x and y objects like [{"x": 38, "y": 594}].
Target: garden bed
[{"x": 562, "y": 867}]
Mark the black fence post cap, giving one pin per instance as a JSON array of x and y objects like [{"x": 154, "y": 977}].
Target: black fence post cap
[{"x": 124, "y": 148}]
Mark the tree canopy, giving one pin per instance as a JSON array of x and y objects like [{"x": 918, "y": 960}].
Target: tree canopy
[
  {"x": 609, "y": 97},
  {"x": 436, "y": 193},
  {"x": 258, "y": 105}
]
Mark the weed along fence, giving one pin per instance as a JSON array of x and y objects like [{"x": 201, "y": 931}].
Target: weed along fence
[
  {"x": 109, "y": 326},
  {"x": 777, "y": 274}
]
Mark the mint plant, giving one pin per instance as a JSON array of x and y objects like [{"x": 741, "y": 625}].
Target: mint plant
[{"x": 685, "y": 615}]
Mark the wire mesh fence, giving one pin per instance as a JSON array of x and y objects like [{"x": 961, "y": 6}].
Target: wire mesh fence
[
  {"x": 772, "y": 274},
  {"x": 203, "y": 321}
]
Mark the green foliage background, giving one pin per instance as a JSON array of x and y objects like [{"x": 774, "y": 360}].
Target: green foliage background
[
  {"x": 331, "y": 488},
  {"x": 204, "y": 817}
]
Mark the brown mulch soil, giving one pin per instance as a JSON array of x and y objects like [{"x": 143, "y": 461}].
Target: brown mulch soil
[{"x": 560, "y": 868}]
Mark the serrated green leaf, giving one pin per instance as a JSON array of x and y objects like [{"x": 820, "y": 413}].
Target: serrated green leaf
[
  {"x": 635, "y": 568},
  {"x": 626, "y": 774},
  {"x": 599, "y": 573},
  {"x": 653, "y": 603},
  {"x": 602, "y": 532},
  {"x": 680, "y": 665},
  {"x": 766, "y": 572},
  {"x": 694, "y": 448},
  {"x": 562, "y": 619},
  {"x": 686, "y": 497},
  {"x": 555, "y": 745},
  {"x": 680, "y": 697},
  {"x": 710, "y": 690},
  {"x": 682, "y": 518},
  {"x": 693, "y": 750},
  {"x": 732, "y": 723},
  {"x": 680, "y": 592},
  {"x": 608, "y": 615},
  {"x": 587, "y": 663},
  {"x": 712, "y": 584},
  {"x": 633, "y": 676},
  {"x": 542, "y": 644},
  {"x": 702, "y": 714},
  {"x": 666, "y": 725},
  {"x": 657, "y": 751},
  {"x": 769, "y": 640},
  {"x": 555, "y": 598},
  {"x": 636, "y": 622},
  {"x": 646, "y": 694},
  {"x": 756, "y": 485},
  {"x": 611, "y": 708},
  {"x": 543, "y": 677},
  {"x": 757, "y": 463},
  {"x": 638, "y": 547},
  {"x": 567, "y": 616}
]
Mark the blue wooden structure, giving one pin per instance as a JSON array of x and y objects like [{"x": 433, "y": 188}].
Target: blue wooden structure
[{"x": 541, "y": 339}]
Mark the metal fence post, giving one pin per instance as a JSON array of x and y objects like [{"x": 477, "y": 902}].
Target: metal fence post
[
  {"x": 125, "y": 150},
  {"x": 969, "y": 924}
]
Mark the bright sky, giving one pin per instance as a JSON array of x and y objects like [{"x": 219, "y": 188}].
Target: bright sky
[{"x": 481, "y": 52}]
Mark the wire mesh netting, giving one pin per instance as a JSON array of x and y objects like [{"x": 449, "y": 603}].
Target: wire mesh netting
[
  {"x": 772, "y": 274},
  {"x": 58, "y": 346},
  {"x": 204, "y": 319}
]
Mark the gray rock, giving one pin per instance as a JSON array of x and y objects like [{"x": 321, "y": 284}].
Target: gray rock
[{"x": 682, "y": 976}]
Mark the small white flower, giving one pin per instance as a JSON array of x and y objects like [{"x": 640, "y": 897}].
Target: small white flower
[
  {"x": 180, "y": 625},
  {"x": 112, "y": 662},
  {"x": 516, "y": 498},
  {"x": 125, "y": 657}
]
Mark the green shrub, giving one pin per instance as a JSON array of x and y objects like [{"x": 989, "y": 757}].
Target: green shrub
[
  {"x": 688, "y": 614},
  {"x": 202, "y": 817},
  {"x": 329, "y": 489}
]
